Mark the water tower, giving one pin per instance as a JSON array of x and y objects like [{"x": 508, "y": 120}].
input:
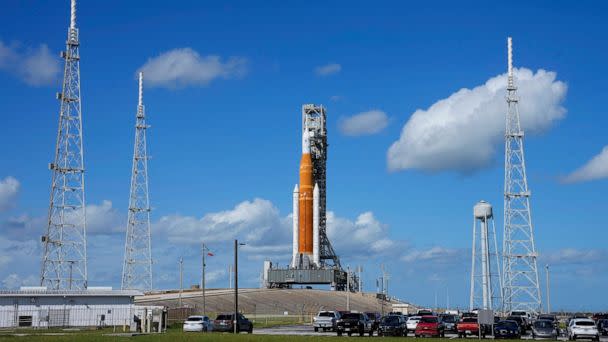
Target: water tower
[{"x": 485, "y": 270}]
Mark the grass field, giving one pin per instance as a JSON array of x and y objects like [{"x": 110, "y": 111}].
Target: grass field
[{"x": 174, "y": 335}]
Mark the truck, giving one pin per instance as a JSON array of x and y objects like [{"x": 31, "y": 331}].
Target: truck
[
  {"x": 325, "y": 320},
  {"x": 469, "y": 326}
]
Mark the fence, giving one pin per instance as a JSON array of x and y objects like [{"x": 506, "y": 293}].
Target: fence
[{"x": 125, "y": 317}]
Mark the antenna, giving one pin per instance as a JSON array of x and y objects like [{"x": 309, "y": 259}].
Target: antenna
[
  {"x": 510, "y": 54},
  {"x": 73, "y": 15},
  {"x": 64, "y": 260},
  {"x": 137, "y": 267},
  {"x": 521, "y": 289}
]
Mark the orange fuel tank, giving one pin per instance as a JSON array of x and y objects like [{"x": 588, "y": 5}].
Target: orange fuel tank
[{"x": 305, "y": 243}]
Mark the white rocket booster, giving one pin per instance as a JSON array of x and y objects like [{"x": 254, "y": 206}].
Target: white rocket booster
[
  {"x": 296, "y": 226},
  {"x": 315, "y": 225}
]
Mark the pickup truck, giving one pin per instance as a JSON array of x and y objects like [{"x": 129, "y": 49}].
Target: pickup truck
[
  {"x": 469, "y": 326},
  {"x": 353, "y": 322},
  {"x": 325, "y": 320}
]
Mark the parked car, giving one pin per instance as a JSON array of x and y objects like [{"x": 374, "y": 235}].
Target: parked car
[
  {"x": 197, "y": 324},
  {"x": 521, "y": 323},
  {"x": 526, "y": 318},
  {"x": 325, "y": 320},
  {"x": 582, "y": 328},
  {"x": 424, "y": 312},
  {"x": 552, "y": 318},
  {"x": 375, "y": 317},
  {"x": 225, "y": 323},
  {"x": 449, "y": 322},
  {"x": 392, "y": 325},
  {"x": 468, "y": 326},
  {"x": 506, "y": 329},
  {"x": 412, "y": 322},
  {"x": 354, "y": 322},
  {"x": 602, "y": 327},
  {"x": 544, "y": 328},
  {"x": 430, "y": 326}
]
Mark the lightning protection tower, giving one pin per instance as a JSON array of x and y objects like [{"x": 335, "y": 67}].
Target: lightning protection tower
[
  {"x": 521, "y": 289},
  {"x": 313, "y": 120},
  {"x": 137, "y": 267},
  {"x": 485, "y": 272},
  {"x": 64, "y": 260}
]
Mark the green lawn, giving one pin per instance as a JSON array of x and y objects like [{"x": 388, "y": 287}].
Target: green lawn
[{"x": 175, "y": 335}]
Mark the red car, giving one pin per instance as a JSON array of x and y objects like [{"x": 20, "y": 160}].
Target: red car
[{"x": 430, "y": 326}]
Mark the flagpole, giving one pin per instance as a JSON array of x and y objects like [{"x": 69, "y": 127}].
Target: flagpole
[{"x": 203, "y": 281}]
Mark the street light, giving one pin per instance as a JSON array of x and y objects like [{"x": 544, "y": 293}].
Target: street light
[{"x": 236, "y": 283}]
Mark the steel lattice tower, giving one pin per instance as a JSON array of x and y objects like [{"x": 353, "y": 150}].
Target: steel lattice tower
[
  {"x": 313, "y": 119},
  {"x": 521, "y": 289},
  {"x": 137, "y": 267},
  {"x": 64, "y": 262}
]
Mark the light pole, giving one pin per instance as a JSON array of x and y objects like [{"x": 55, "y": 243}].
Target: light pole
[
  {"x": 548, "y": 293},
  {"x": 347, "y": 288},
  {"x": 236, "y": 284}
]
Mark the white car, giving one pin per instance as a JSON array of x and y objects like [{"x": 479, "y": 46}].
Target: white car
[
  {"x": 412, "y": 322},
  {"x": 583, "y": 328},
  {"x": 197, "y": 324}
]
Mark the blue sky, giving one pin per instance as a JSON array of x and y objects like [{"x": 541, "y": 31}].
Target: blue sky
[{"x": 226, "y": 131}]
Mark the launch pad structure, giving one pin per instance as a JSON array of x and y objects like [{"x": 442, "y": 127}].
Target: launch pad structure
[{"x": 316, "y": 263}]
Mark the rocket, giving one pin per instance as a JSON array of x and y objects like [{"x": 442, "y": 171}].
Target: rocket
[{"x": 305, "y": 212}]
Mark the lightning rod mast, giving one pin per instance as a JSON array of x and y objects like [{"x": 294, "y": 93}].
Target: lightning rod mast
[
  {"x": 64, "y": 260},
  {"x": 137, "y": 267}
]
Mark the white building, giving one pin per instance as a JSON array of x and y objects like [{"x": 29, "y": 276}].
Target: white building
[{"x": 39, "y": 307}]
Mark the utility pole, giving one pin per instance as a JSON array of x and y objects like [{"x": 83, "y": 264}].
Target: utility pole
[
  {"x": 181, "y": 279},
  {"x": 65, "y": 241},
  {"x": 548, "y": 293},
  {"x": 229, "y": 276}
]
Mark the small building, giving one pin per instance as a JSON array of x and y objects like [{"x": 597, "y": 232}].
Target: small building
[{"x": 39, "y": 307}]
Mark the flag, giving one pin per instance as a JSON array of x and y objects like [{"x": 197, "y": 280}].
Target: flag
[{"x": 209, "y": 254}]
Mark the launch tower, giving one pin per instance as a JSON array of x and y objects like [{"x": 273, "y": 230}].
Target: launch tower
[
  {"x": 521, "y": 289},
  {"x": 64, "y": 259}
]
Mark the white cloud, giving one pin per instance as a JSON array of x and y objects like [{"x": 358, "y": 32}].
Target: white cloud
[
  {"x": 596, "y": 168},
  {"x": 268, "y": 234},
  {"x": 105, "y": 219},
  {"x": 365, "y": 123},
  {"x": 463, "y": 131},
  {"x": 9, "y": 189},
  {"x": 436, "y": 255},
  {"x": 35, "y": 66},
  {"x": 186, "y": 67},
  {"x": 572, "y": 256},
  {"x": 14, "y": 281},
  {"x": 329, "y": 69},
  {"x": 366, "y": 233}
]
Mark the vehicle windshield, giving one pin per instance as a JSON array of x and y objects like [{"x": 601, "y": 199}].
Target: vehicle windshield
[
  {"x": 514, "y": 318},
  {"x": 371, "y": 315},
  {"x": 547, "y": 317},
  {"x": 428, "y": 319},
  {"x": 518, "y": 313},
  {"x": 469, "y": 320},
  {"x": 390, "y": 320},
  {"x": 414, "y": 319},
  {"x": 194, "y": 319},
  {"x": 507, "y": 324},
  {"x": 585, "y": 323},
  {"x": 224, "y": 317},
  {"x": 351, "y": 316},
  {"x": 326, "y": 314},
  {"x": 449, "y": 319},
  {"x": 543, "y": 324}
]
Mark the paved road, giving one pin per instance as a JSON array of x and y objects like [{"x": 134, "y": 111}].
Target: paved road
[{"x": 307, "y": 330}]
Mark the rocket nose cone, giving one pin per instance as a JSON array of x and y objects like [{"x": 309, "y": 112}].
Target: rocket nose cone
[{"x": 305, "y": 142}]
